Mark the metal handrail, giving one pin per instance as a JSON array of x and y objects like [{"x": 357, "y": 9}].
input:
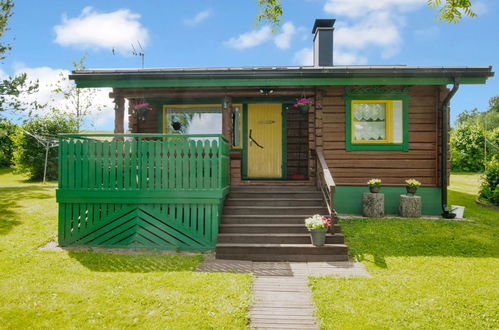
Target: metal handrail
[{"x": 325, "y": 182}]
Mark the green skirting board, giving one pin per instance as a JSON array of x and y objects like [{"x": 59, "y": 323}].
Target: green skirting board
[{"x": 347, "y": 199}]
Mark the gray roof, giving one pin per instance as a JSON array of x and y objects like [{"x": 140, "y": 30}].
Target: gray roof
[{"x": 287, "y": 71}]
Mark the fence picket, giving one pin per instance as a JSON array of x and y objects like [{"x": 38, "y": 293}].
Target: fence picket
[{"x": 126, "y": 167}]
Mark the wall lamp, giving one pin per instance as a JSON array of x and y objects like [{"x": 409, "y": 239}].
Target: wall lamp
[{"x": 266, "y": 91}]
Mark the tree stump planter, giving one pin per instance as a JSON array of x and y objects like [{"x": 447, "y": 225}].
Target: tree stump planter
[
  {"x": 373, "y": 205},
  {"x": 410, "y": 206}
]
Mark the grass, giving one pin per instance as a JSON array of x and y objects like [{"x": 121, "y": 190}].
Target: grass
[
  {"x": 426, "y": 274},
  {"x": 42, "y": 289}
]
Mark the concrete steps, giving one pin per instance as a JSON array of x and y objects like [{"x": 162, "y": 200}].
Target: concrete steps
[{"x": 266, "y": 223}]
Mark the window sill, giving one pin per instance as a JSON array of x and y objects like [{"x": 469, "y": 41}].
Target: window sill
[{"x": 377, "y": 146}]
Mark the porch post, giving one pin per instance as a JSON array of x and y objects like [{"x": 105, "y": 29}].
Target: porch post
[
  {"x": 227, "y": 119},
  {"x": 119, "y": 115}
]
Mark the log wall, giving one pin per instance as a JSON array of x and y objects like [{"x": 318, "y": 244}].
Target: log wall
[
  {"x": 392, "y": 167},
  {"x": 297, "y": 143}
]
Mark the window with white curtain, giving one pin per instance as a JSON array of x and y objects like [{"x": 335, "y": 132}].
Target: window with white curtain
[{"x": 377, "y": 121}]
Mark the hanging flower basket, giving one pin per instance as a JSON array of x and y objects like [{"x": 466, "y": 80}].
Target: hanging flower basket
[
  {"x": 302, "y": 105},
  {"x": 142, "y": 110}
]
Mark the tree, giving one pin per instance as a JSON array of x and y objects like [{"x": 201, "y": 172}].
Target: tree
[
  {"x": 7, "y": 131},
  {"x": 14, "y": 91},
  {"x": 451, "y": 11},
  {"x": 270, "y": 13},
  {"x": 488, "y": 119},
  {"x": 6, "y": 7},
  {"x": 80, "y": 101},
  {"x": 29, "y": 154}
]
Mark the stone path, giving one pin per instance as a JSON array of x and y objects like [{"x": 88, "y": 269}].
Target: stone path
[{"x": 282, "y": 299}]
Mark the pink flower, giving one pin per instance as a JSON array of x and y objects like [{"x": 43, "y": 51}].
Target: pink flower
[
  {"x": 142, "y": 105},
  {"x": 327, "y": 221},
  {"x": 301, "y": 101}
]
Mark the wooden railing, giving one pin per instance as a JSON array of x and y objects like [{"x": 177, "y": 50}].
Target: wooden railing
[
  {"x": 142, "y": 190},
  {"x": 325, "y": 182}
]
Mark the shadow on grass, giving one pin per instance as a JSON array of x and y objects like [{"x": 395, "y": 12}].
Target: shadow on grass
[
  {"x": 10, "y": 210},
  {"x": 103, "y": 262},
  {"x": 381, "y": 238}
]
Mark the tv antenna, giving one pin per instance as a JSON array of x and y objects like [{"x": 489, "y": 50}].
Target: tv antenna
[{"x": 139, "y": 53}]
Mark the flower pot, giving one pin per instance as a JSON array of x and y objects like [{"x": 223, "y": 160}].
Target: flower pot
[
  {"x": 303, "y": 108},
  {"x": 374, "y": 190},
  {"x": 411, "y": 190},
  {"x": 143, "y": 114},
  {"x": 318, "y": 236}
]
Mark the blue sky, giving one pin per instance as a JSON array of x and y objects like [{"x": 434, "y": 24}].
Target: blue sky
[{"x": 50, "y": 35}]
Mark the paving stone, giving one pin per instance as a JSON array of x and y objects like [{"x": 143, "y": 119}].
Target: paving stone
[{"x": 282, "y": 299}]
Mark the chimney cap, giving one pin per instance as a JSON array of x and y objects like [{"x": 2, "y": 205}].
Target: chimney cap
[{"x": 323, "y": 23}]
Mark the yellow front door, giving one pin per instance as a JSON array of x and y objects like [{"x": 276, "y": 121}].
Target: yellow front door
[{"x": 264, "y": 138}]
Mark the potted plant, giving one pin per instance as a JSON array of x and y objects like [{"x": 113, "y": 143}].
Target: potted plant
[
  {"x": 302, "y": 105},
  {"x": 318, "y": 225},
  {"x": 142, "y": 109},
  {"x": 412, "y": 186},
  {"x": 374, "y": 185}
]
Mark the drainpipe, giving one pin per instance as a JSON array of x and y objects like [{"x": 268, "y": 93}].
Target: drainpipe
[{"x": 445, "y": 150}]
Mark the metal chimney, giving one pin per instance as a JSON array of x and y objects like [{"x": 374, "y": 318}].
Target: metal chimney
[{"x": 323, "y": 42}]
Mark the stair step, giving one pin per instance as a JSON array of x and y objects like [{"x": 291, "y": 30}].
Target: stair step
[
  {"x": 262, "y": 218},
  {"x": 283, "y": 257},
  {"x": 273, "y": 188},
  {"x": 281, "y": 249},
  {"x": 263, "y": 228},
  {"x": 280, "y": 194},
  {"x": 271, "y": 210},
  {"x": 276, "y": 238},
  {"x": 274, "y": 202},
  {"x": 244, "y": 222}
]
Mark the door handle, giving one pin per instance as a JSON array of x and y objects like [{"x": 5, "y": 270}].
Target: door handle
[{"x": 253, "y": 140}]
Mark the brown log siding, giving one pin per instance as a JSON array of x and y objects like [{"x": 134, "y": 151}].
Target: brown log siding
[
  {"x": 326, "y": 128},
  {"x": 392, "y": 167}
]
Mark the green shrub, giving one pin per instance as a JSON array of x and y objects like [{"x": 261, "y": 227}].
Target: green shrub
[
  {"x": 468, "y": 147},
  {"x": 29, "y": 154},
  {"x": 490, "y": 184},
  {"x": 7, "y": 131}
]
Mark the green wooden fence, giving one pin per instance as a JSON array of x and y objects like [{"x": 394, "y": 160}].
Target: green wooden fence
[{"x": 142, "y": 190}]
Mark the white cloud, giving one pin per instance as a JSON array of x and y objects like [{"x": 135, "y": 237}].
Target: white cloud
[
  {"x": 358, "y": 8},
  {"x": 94, "y": 30},
  {"x": 257, "y": 37},
  {"x": 348, "y": 58},
  {"x": 376, "y": 30},
  {"x": 283, "y": 40},
  {"x": 250, "y": 39},
  {"x": 198, "y": 18},
  {"x": 304, "y": 57},
  {"x": 374, "y": 24},
  {"x": 48, "y": 79},
  {"x": 480, "y": 8}
]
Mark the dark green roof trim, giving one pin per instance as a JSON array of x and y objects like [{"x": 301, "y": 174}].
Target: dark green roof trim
[
  {"x": 280, "y": 76},
  {"x": 130, "y": 83}
]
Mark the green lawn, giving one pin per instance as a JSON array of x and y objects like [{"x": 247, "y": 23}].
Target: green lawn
[
  {"x": 427, "y": 274},
  {"x": 40, "y": 289}
]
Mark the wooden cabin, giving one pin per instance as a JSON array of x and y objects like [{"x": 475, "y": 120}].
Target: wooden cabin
[{"x": 280, "y": 163}]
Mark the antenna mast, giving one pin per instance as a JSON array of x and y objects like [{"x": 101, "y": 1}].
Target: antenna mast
[{"x": 139, "y": 53}]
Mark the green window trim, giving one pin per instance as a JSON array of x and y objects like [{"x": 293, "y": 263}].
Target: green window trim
[{"x": 380, "y": 94}]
